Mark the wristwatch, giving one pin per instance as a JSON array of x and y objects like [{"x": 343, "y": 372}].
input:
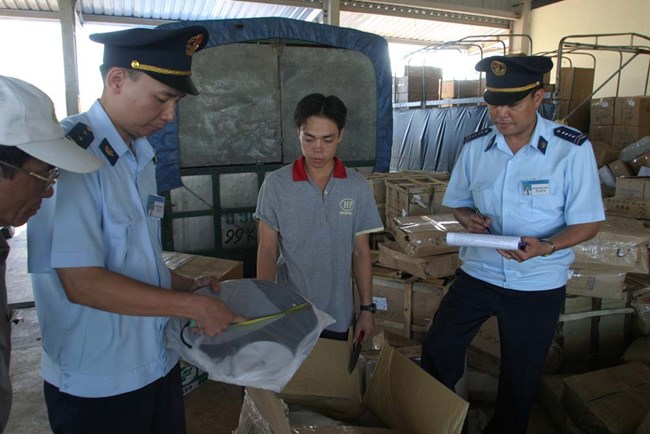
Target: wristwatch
[
  {"x": 372, "y": 307},
  {"x": 552, "y": 244}
]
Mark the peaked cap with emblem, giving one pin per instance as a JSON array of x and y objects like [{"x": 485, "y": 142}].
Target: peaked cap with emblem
[
  {"x": 510, "y": 79},
  {"x": 164, "y": 54}
]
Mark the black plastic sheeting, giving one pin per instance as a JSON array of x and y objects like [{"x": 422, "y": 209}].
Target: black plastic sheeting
[{"x": 431, "y": 139}]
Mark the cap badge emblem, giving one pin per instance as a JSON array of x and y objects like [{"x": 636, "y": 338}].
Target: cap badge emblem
[
  {"x": 193, "y": 44},
  {"x": 498, "y": 68}
]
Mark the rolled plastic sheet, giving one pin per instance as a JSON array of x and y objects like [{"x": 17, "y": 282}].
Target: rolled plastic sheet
[
  {"x": 265, "y": 351},
  {"x": 486, "y": 241}
]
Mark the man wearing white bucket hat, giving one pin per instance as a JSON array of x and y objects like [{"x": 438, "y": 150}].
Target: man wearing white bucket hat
[{"x": 33, "y": 149}]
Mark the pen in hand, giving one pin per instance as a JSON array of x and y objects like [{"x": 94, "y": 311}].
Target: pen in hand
[{"x": 478, "y": 213}]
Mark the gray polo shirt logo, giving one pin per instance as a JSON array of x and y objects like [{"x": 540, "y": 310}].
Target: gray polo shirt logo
[{"x": 347, "y": 205}]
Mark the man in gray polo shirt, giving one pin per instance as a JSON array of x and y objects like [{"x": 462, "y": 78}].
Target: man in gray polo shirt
[{"x": 315, "y": 216}]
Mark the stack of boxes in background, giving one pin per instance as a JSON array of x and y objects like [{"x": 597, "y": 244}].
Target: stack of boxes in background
[
  {"x": 419, "y": 83},
  {"x": 605, "y": 381},
  {"x": 411, "y": 265},
  {"x": 631, "y": 120},
  {"x": 575, "y": 87},
  {"x": 462, "y": 89},
  {"x": 595, "y": 366},
  {"x": 617, "y": 126}
]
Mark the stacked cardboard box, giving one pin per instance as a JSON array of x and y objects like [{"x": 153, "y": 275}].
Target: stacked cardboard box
[
  {"x": 601, "y": 132},
  {"x": 425, "y": 235},
  {"x": 631, "y": 120},
  {"x": 377, "y": 182},
  {"x": 405, "y": 306},
  {"x": 551, "y": 389},
  {"x": 632, "y": 198},
  {"x": 392, "y": 256},
  {"x": 193, "y": 266},
  {"x": 593, "y": 331},
  {"x": 420, "y": 250},
  {"x": 462, "y": 89},
  {"x": 601, "y": 124},
  {"x": 575, "y": 88},
  {"x": 612, "y": 400},
  {"x": 413, "y": 195},
  {"x": 419, "y": 83}
]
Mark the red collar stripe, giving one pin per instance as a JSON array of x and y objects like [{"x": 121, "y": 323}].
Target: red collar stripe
[{"x": 300, "y": 169}]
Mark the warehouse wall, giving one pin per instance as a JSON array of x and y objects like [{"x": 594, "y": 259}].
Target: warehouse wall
[{"x": 579, "y": 17}]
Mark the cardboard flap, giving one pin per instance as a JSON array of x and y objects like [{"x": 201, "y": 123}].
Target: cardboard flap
[
  {"x": 412, "y": 401},
  {"x": 322, "y": 382}
]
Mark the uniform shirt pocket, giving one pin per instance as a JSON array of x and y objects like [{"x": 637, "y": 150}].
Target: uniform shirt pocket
[
  {"x": 540, "y": 206},
  {"x": 484, "y": 196},
  {"x": 118, "y": 227}
]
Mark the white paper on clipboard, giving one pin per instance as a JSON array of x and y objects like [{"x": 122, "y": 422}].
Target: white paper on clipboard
[{"x": 483, "y": 240}]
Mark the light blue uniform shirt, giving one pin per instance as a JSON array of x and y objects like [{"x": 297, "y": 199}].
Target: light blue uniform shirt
[
  {"x": 100, "y": 220},
  {"x": 549, "y": 184}
]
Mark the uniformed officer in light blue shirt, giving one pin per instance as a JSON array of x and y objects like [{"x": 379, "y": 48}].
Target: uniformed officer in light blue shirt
[
  {"x": 528, "y": 177},
  {"x": 102, "y": 291}
]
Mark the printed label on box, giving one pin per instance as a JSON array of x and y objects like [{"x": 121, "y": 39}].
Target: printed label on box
[{"x": 381, "y": 302}]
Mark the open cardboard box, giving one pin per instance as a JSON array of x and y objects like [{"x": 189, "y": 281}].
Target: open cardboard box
[{"x": 400, "y": 394}]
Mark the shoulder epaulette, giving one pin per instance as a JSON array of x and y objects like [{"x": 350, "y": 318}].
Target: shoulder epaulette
[
  {"x": 81, "y": 134},
  {"x": 476, "y": 135},
  {"x": 573, "y": 136},
  {"x": 108, "y": 152}
]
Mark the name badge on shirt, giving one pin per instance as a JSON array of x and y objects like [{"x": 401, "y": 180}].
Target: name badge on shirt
[
  {"x": 155, "y": 206},
  {"x": 538, "y": 187}
]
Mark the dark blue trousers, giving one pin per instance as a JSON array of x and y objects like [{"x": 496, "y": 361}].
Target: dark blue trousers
[
  {"x": 527, "y": 323},
  {"x": 157, "y": 408}
]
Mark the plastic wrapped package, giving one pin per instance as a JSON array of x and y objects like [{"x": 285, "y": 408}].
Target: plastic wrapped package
[
  {"x": 636, "y": 149},
  {"x": 251, "y": 420},
  {"x": 265, "y": 351},
  {"x": 425, "y": 235},
  {"x": 621, "y": 243}
]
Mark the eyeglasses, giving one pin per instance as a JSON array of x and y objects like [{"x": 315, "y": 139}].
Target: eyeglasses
[{"x": 48, "y": 180}]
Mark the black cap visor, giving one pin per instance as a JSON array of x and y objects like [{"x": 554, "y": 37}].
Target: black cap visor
[
  {"x": 505, "y": 98},
  {"x": 179, "y": 82}
]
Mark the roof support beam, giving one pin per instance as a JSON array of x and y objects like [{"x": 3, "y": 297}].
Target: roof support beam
[
  {"x": 413, "y": 9},
  {"x": 521, "y": 27},
  {"x": 332, "y": 12},
  {"x": 453, "y": 8},
  {"x": 69, "y": 40}
]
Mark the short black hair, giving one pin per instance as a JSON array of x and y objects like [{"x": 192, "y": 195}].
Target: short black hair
[
  {"x": 317, "y": 104},
  {"x": 14, "y": 156}
]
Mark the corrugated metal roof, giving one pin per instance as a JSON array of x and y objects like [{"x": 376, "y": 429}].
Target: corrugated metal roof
[
  {"x": 395, "y": 22},
  {"x": 412, "y": 30}
]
